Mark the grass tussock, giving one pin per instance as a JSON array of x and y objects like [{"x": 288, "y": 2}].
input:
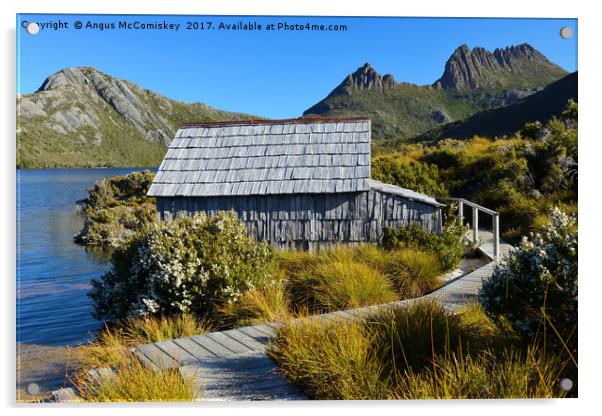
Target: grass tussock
[
  {"x": 346, "y": 285},
  {"x": 133, "y": 382},
  {"x": 258, "y": 305},
  {"x": 330, "y": 360},
  {"x": 342, "y": 277},
  {"x": 419, "y": 351},
  {"x": 509, "y": 374}
]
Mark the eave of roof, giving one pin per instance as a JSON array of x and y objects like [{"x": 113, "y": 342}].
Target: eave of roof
[
  {"x": 403, "y": 192},
  {"x": 282, "y": 121}
]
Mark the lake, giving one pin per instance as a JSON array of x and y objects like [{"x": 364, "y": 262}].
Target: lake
[{"x": 53, "y": 273}]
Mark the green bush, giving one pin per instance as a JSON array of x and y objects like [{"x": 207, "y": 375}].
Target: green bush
[
  {"x": 536, "y": 284},
  {"x": 415, "y": 175},
  {"x": 449, "y": 246},
  {"x": 189, "y": 264},
  {"x": 116, "y": 209}
]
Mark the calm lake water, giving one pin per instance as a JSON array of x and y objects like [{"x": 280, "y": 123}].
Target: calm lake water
[{"x": 53, "y": 273}]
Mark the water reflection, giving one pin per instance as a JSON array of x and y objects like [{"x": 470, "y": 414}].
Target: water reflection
[{"x": 53, "y": 273}]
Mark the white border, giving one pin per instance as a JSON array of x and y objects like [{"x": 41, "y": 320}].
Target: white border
[{"x": 589, "y": 207}]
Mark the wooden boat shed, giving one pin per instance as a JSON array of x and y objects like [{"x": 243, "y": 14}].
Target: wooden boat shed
[{"x": 294, "y": 183}]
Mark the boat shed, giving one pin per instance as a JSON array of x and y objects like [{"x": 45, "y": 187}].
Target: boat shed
[{"x": 295, "y": 183}]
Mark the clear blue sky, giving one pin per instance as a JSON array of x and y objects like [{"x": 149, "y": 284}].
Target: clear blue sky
[{"x": 275, "y": 74}]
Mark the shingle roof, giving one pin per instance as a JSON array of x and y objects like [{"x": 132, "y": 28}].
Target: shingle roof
[
  {"x": 266, "y": 157},
  {"x": 406, "y": 193}
]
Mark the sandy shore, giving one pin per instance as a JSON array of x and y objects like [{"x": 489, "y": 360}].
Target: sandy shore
[{"x": 48, "y": 367}]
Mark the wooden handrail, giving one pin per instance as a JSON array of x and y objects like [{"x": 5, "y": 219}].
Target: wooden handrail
[
  {"x": 469, "y": 203},
  {"x": 475, "y": 221}
]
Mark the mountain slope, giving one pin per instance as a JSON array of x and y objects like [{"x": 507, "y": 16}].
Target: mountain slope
[
  {"x": 83, "y": 117},
  {"x": 541, "y": 106},
  {"x": 472, "y": 81}
]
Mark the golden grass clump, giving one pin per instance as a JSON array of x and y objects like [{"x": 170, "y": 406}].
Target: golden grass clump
[
  {"x": 257, "y": 305},
  {"x": 329, "y": 360},
  {"x": 133, "y": 382}
]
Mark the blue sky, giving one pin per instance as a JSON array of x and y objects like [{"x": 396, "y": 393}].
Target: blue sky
[{"x": 275, "y": 74}]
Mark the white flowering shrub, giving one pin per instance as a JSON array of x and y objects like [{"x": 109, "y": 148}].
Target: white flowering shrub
[
  {"x": 185, "y": 265},
  {"x": 539, "y": 276}
]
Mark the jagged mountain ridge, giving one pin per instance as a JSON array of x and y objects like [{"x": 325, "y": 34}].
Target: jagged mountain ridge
[
  {"x": 473, "y": 80},
  {"x": 84, "y": 117},
  {"x": 514, "y": 66}
]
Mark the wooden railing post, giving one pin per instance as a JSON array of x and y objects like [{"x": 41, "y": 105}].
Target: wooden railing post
[
  {"x": 461, "y": 212},
  {"x": 475, "y": 225},
  {"x": 496, "y": 236}
]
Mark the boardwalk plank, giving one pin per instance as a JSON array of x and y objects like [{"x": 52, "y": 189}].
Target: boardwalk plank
[
  {"x": 229, "y": 343},
  {"x": 216, "y": 348},
  {"x": 145, "y": 360},
  {"x": 244, "y": 339},
  {"x": 106, "y": 372},
  {"x": 268, "y": 330},
  {"x": 175, "y": 351},
  {"x": 195, "y": 349},
  {"x": 156, "y": 355},
  {"x": 256, "y": 334}
]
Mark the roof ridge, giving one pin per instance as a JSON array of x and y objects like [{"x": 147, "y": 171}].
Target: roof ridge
[{"x": 271, "y": 121}]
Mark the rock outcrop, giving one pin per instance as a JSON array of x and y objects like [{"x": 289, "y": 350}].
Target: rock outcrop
[{"x": 513, "y": 66}]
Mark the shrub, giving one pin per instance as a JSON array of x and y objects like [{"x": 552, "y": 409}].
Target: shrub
[
  {"x": 154, "y": 329},
  {"x": 116, "y": 209},
  {"x": 449, "y": 246},
  {"x": 185, "y": 265},
  {"x": 538, "y": 280},
  {"x": 415, "y": 175},
  {"x": 418, "y": 351},
  {"x": 532, "y": 130}
]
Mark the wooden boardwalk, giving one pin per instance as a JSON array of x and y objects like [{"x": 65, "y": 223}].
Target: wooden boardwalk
[{"x": 232, "y": 365}]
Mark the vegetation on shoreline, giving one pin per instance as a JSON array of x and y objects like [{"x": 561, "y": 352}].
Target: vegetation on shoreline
[{"x": 116, "y": 209}]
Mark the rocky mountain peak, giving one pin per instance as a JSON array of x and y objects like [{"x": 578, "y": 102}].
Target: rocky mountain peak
[
  {"x": 478, "y": 68},
  {"x": 365, "y": 78},
  {"x": 126, "y": 98}
]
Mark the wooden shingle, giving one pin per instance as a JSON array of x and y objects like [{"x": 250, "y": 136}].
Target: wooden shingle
[{"x": 303, "y": 156}]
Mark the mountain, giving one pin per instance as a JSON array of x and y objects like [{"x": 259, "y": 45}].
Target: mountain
[
  {"x": 541, "y": 106},
  {"x": 83, "y": 117},
  {"x": 473, "y": 80},
  {"x": 517, "y": 67}
]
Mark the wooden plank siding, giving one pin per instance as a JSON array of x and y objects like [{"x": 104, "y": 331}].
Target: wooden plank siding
[{"x": 312, "y": 220}]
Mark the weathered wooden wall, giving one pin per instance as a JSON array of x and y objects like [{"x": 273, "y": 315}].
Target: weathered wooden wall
[{"x": 311, "y": 220}]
